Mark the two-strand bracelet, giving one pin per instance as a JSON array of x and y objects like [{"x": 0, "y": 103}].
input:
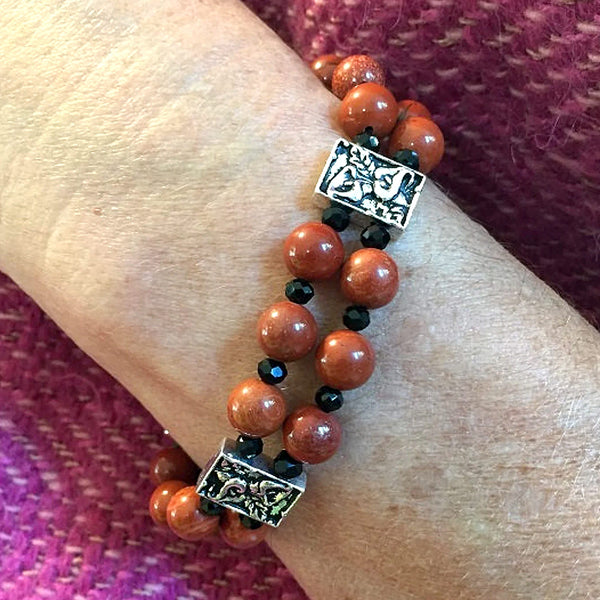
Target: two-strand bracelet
[{"x": 379, "y": 175}]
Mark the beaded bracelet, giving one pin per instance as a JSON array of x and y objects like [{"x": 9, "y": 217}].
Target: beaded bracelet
[{"x": 379, "y": 175}]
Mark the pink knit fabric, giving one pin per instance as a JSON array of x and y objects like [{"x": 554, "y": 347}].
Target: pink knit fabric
[{"x": 515, "y": 88}]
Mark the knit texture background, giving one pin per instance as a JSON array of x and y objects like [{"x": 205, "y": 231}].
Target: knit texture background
[{"x": 514, "y": 85}]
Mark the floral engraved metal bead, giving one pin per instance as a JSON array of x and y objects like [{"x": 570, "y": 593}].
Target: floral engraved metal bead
[
  {"x": 370, "y": 183},
  {"x": 249, "y": 486}
]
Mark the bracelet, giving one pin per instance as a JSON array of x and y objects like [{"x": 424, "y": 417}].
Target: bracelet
[{"x": 378, "y": 175}]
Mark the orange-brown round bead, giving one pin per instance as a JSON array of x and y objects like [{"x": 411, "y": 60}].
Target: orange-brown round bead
[
  {"x": 368, "y": 105},
  {"x": 369, "y": 278},
  {"x": 353, "y": 70},
  {"x": 412, "y": 108},
  {"x": 345, "y": 360},
  {"x": 186, "y": 520},
  {"x": 313, "y": 251},
  {"x": 160, "y": 498},
  {"x": 238, "y": 536},
  {"x": 324, "y": 66},
  {"x": 255, "y": 408},
  {"x": 173, "y": 463},
  {"x": 287, "y": 331},
  {"x": 421, "y": 135},
  {"x": 311, "y": 435}
]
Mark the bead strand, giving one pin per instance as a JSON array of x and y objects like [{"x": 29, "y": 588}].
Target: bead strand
[
  {"x": 314, "y": 252},
  {"x": 286, "y": 331},
  {"x": 345, "y": 359}
]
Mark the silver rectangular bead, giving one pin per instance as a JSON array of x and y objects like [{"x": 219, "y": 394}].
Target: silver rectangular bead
[
  {"x": 370, "y": 183},
  {"x": 249, "y": 486}
]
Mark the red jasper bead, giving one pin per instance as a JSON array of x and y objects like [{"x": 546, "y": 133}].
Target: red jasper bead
[
  {"x": 238, "y": 536},
  {"x": 345, "y": 360},
  {"x": 160, "y": 498},
  {"x": 370, "y": 278},
  {"x": 421, "y": 135},
  {"x": 323, "y": 67},
  {"x": 186, "y": 520},
  {"x": 313, "y": 251},
  {"x": 287, "y": 331},
  {"x": 311, "y": 435},
  {"x": 353, "y": 70},
  {"x": 368, "y": 105},
  {"x": 173, "y": 463},
  {"x": 255, "y": 408},
  {"x": 412, "y": 108}
]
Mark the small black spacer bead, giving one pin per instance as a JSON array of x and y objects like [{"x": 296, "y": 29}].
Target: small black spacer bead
[
  {"x": 248, "y": 447},
  {"x": 210, "y": 508},
  {"x": 249, "y": 523},
  {"x": 329, "y": 399},
  {"x": 285, "y": 466},
  {"x": 408, "y": 158},
  {"x": 272, "y": 371},
  {"x": 375, "y": 236},
  {"x": 336, "y": 217},
  {"x": 299, "y": 291},
  {"x": 367, "y": 139},
  {"x": 356, "y": 318}
]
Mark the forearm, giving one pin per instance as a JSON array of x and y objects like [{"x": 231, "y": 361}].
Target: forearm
[{"x": 166, "y": 156}]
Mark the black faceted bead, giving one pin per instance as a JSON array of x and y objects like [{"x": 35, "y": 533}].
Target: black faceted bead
[
  {"x": 329, "y": 399},
  {"x": 356, "y": 318},
  {"x": 408, "y": 158},
  {"x": 210, "y": 508},
  {"x": 299, "y": 291},
  {"x": 337, "y": 218},
  {"x": 248, "y": 447},
  {"x": 367, "y": 139},
  {"x": 249, "y": 523},
  {"x": 272, "y": 371},
  {"x": 285, "y": 466},
  {"x": 375, "y": 236}
]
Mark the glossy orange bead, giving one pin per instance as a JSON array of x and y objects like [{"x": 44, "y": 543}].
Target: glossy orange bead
[
  {"x": 323, "y": 67},
  {"x": 412, "y": 108},
  {"x": 173, "y": 463},
  {"x": 160, "y": 498},
  {"x": 255, "y": 408},
  {"x": 421, "y": 135},
  {"x": 353, "y": 70},
  {"x": 345, "y": 360},
  {"x": 186, "y": 520},
  {"x": 238, "y": 536},
  {"x": 287, "y": 331},
  {"x": 311, "y": 435},
  {"x": 368, "y": 105},
  {"x": 313, "y": 251},
  {"x": 370, "y": 278}
]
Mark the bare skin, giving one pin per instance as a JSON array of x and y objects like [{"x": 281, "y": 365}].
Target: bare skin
[{"x": 154, "y": 156}]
